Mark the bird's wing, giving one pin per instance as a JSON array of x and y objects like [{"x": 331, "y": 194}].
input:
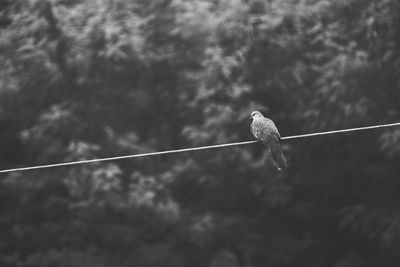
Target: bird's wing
[{"x": 269, "y": 130}]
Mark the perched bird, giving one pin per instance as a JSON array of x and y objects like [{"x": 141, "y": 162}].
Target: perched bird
[{"x": 265, "y": 131}]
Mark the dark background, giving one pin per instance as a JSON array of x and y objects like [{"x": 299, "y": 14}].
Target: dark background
[{"x": 86, "y": 79}]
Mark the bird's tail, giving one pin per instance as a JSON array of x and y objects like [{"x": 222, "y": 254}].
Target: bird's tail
[{"x": 278, "y": 157}]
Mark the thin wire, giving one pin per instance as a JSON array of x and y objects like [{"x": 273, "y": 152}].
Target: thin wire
[
  {"x": 342, "y": 131},
  {"x": 194, "y": 148}
]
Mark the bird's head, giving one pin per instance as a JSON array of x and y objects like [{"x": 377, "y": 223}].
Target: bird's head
[{"x": 256, "y": 114}]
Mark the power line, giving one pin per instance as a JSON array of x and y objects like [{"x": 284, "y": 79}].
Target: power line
[
  {"x": 342, "y": 131},
  {"x": 194, "y": 148}
]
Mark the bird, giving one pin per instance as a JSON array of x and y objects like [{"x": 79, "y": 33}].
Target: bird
[{"x": 266, "y": 132}]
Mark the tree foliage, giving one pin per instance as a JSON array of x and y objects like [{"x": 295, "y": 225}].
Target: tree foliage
[{"x": 86, "y": 79}]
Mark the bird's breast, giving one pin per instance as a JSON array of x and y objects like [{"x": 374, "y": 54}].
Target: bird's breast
[{"x": 262, "y": 130}]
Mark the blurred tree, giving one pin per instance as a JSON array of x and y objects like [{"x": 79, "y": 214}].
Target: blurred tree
[{"x": 86, "y": 79}]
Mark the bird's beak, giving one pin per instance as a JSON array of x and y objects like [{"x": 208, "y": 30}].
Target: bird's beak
[{"x": 250, "y": 118}]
